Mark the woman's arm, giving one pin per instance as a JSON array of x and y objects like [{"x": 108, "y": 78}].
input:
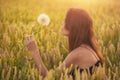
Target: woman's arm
[
  {"x": 70, "y": 61},
  {"x": 39, "y": 63},
  {"x": 33, "y": 48}
]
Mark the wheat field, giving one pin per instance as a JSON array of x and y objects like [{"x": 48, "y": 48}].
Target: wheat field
[{"x": 18, "y": 18}]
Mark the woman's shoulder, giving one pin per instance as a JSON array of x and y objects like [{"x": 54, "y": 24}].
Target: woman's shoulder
[
  {"x": 83, "y": 51},
  {"x": 78, "y": 50},
  {"x": 82, "y": 48},
  {"x": 85, "y": 56}
]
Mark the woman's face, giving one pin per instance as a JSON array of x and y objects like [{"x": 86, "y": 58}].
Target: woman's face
[{"x": 64, "y": 31}]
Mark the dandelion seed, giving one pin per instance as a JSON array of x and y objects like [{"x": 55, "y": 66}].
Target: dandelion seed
[{"x": 43, "y": 19}]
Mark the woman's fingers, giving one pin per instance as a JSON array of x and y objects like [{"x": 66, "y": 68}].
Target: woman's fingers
[
  {"x": 30, "y": 43},
  {"x": 29, "y": 39}
]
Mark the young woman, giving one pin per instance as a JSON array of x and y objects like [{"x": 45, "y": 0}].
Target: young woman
[{"x": 83, "y": 48}]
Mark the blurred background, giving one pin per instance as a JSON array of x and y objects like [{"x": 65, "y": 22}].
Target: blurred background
[{"x": 18, "y": 18}]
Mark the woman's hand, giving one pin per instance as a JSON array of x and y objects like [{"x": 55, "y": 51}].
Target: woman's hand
[{"x": 30, "y": 43}]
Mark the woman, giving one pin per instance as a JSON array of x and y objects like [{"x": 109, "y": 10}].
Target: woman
[{"x": 83, "y": 48}]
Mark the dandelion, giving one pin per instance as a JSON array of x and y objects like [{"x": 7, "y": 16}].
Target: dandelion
[{"x": 43, "y": 19}]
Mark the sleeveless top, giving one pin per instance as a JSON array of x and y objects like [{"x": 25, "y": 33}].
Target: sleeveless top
[{"x": 97, "y": 64}]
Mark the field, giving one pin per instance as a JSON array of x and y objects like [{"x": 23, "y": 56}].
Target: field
[{"x": 18, "y": 18}]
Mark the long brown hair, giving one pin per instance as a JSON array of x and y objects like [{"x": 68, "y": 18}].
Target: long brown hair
[{"x": 80, "y": 27}]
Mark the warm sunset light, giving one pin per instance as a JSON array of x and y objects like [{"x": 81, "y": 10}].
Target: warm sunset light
[{"x": 59, "y": 39}]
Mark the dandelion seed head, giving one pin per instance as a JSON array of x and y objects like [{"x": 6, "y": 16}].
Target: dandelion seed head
[{"x": 43, "y": 19}]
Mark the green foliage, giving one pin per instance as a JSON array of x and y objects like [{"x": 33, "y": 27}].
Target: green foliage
[{"x": 18, "y": 18}]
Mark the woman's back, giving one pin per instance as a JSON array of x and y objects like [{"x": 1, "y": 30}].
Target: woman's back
[
  {"x": 85, "y": 60},
  {"x": 85, "y": 56}
]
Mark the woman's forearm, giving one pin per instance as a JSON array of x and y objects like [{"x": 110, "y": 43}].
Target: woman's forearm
[
  {"x": 38, "y": 61},
  {"x": 33, "y": 48}
]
